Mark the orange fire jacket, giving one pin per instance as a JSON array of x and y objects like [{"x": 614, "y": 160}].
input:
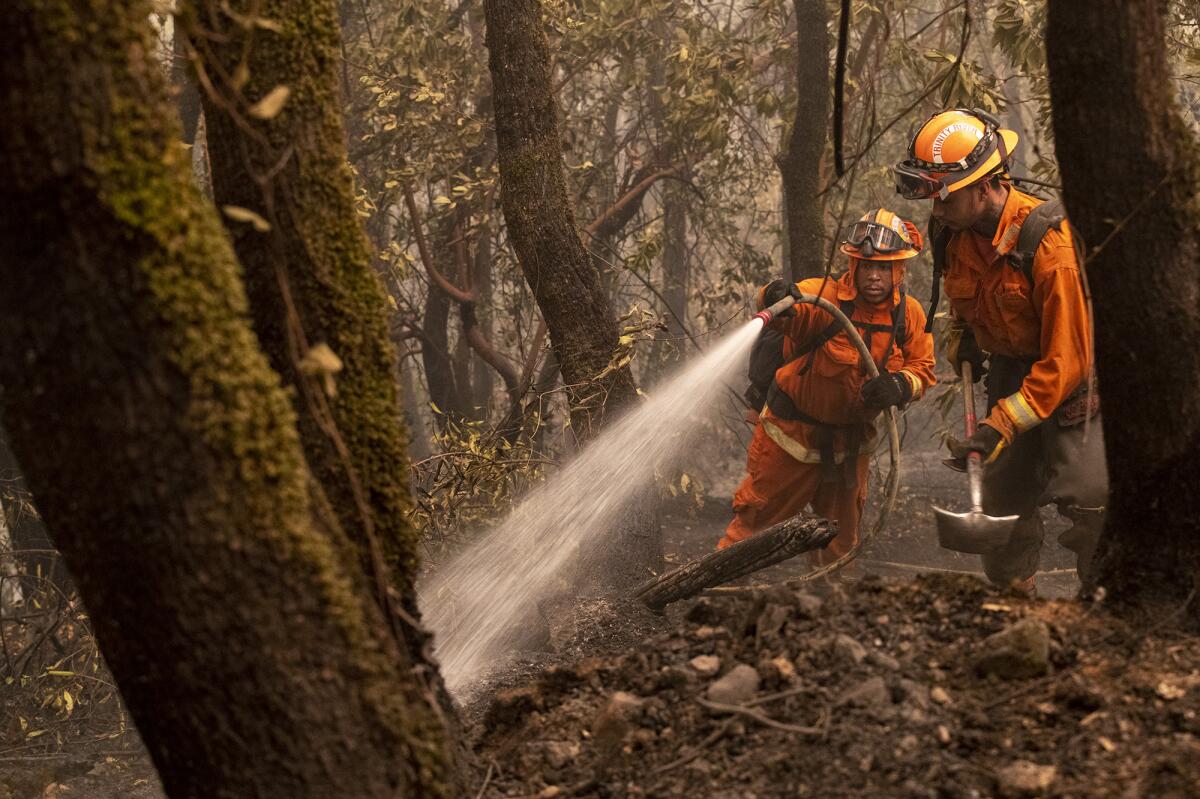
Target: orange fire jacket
[
  {"x": 1046, "y": 323},
  {"x": 830, "y": 390}
]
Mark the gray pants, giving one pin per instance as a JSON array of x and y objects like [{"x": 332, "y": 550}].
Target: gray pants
[{"x": 1048, "y": 464}]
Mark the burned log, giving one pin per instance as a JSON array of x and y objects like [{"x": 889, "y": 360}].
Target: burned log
[{"x": 773, "y": 545}]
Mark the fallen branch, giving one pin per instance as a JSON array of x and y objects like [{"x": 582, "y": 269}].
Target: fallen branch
[
  {"x": 817, "y": 729},
  {"x": 696, "y": 752},
  {"x": 774, "y": 545},
  {"x": 487, "y": 780}
]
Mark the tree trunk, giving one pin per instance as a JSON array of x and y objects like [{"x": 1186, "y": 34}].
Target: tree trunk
[
  {"x": 309, "y": 279},
  {"x": 541, "y": 218},
  {"x": 1131, "y": 171},
  {"x": 801, "y": 164},
  {"x": 435, "y": 358},
  {"x": 676, "y": 270},
  {"x": 162, "y": 449},
  {"x": 484, "y": 285}
]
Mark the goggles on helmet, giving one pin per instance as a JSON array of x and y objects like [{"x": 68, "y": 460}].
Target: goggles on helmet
[
  {"x": 873, "y": 237},
  {"x": 914, "y": 180}
]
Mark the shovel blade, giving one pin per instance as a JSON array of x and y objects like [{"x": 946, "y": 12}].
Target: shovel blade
[{"x": 973, "y": 532}]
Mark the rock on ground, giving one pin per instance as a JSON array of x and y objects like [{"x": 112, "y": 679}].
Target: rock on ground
[
  {"x": 736, "y": 687},
  {"x": 1017, "y": 652}
]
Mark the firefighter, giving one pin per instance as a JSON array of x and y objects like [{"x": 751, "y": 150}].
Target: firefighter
[
  {"x": 1019, "y": 315},
  {"x": 816, "y": 429}
]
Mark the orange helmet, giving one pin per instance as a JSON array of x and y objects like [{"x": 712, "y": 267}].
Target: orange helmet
[
  {"x": 880, "y": 235},
  {"x": 953, "y": 149}
]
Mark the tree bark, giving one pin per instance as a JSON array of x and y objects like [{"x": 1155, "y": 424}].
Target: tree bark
[
  {"x": 774, "y": 545},
  {"x": 541, "y": 218},
  {"x": 801, "y": 164},
  {"x": 435, "y": 358},
  {"x": 162, "y": 449},
  {"x": 676, "y": 270},
  {"x": 309, "y": 278},
  {"x": 1131, "y": 172}
]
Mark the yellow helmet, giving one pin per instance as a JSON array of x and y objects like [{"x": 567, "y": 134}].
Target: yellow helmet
[
  {"x": 881, "y": 235},
  {"x": 952, "y": 150}
]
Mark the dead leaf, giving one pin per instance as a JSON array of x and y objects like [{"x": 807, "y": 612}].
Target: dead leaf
[
  {"x": 270, "y": 106},
  {"x": 239, "y": 214},
  {"x": 321, "y": 361},
  {"x": 1169, "y": 692}
]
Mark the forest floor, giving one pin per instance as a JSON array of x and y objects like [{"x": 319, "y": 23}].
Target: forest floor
[
  {"x": 885, "y": 683},
  {"x": 887, "y": 688}
]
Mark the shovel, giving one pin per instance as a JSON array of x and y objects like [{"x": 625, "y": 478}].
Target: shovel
[{"x": 973, "y": 532}]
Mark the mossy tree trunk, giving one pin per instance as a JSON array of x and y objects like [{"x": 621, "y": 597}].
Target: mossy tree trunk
[
  {"x": 309, "y": 278},
  {"x": 800, "y": 165},
  {"x": 541, "y": 217},
  {"x": 1131, "y": 175},
  {"x": 162, "y": 449}
]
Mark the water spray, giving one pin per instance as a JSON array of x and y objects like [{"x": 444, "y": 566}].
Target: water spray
[{"x": 481, "y": 603}]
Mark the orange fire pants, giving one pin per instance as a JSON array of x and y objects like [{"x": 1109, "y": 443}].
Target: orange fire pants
[{"x": 777, "y": 487}]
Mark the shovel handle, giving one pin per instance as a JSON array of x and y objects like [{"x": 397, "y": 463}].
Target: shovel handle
[
  {"x": 975, "y": 480},
  {"x": 968, "y": 379},
  {"x": 974, "y": 459}
]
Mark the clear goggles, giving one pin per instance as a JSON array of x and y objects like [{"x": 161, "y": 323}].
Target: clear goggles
[{"x": 873, "y": 237}]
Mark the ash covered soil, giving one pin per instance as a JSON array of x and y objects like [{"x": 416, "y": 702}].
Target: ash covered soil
[{"x": 938, "y": 686}]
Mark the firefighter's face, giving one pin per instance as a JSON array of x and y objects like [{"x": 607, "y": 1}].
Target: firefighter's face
[
  {"x": 873, "y": 279},
  {"x": 962, "y": 208}
]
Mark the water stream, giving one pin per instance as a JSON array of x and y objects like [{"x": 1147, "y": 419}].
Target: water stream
[{"x": 479, "y": 602}]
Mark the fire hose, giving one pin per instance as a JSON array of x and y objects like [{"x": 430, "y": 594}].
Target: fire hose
[{"x": 893, "y": 478}]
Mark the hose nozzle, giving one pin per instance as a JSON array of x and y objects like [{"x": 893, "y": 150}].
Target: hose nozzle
[{"x": 768, "y": 314}]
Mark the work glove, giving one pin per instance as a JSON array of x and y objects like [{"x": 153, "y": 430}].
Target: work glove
[
  {"x": 887, "y": 390},
  {"x": 987, "y": 441},
  {"x": 776, "y": 290},
  {"x": 962, "y": 346}
]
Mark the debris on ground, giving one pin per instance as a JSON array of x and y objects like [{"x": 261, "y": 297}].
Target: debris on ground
[{"x": 933, "y": 687}]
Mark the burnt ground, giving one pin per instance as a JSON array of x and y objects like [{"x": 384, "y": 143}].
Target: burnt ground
[
  {"x": 884, "y": 683},
  {"x": 869, "y": 686},
  {"x": 890, "y": 688}
]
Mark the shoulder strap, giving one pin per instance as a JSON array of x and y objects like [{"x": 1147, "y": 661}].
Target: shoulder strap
[
  {"x": 900, "y": 319},
  {"x": 1041, "y": 219},
  {"x": 940, "y": 236}
]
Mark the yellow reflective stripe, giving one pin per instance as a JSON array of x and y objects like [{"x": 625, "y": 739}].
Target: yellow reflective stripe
[
  {"x": 918, "y": 388},
  {"x": 802, "y": 453},
  {"x": 996, "y": 452},
  {"x": 1022, "y": 414}
]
